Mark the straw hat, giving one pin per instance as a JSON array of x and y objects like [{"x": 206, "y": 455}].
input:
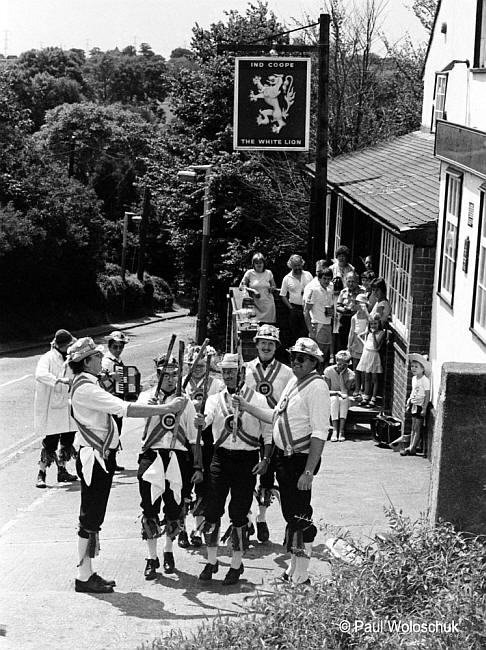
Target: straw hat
[
  {"x": 83, "y": 348},
  {"x": 268, "y": 332},
  {"x": 423, "y": 360},
  {"x": 229, "y": 361},
  {"x": 117, "y": 336}
]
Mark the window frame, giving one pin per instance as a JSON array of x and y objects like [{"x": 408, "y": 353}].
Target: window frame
[
  {"x": 457, "y": 177},
  {"x": 478, "y": 329},
  {"x": 396, "y": 261},
  {"x": 435, "y": 116},
  {"x": 339, "y": 222},
  {"x": 480, "y": 36}
]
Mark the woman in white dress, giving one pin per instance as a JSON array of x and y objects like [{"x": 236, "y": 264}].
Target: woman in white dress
[{"x": 259, "y": 283}]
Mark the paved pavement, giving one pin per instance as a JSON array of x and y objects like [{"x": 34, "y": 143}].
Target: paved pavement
[{"x": 40, "y": 610}]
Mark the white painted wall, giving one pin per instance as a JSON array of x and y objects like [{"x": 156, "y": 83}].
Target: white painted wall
[{"x": 451, "y": 339}]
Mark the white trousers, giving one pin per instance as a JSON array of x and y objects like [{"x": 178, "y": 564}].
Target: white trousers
[{"x": 339, "y": 407}]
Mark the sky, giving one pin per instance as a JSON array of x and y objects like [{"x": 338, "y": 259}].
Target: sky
[{"x": 164, "y": 24}]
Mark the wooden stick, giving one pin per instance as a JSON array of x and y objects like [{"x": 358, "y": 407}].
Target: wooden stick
[
  {"x": 197, "y": 451},
  {"x": 178, "y": 393},
  {"x": 200, "y": 354},
  {"x": 163, "y": 368}
]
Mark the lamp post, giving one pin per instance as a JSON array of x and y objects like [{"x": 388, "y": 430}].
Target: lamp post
[
  {"x": 126, "y": 218},
  {"x": 192, "y": 175}
]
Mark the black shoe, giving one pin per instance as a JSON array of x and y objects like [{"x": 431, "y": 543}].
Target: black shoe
[
  {"x": 233, "y": 575},
  {"x": 63, "y": 476},
  {"x": 263, "y": 534},
  {"x": 150, "y": 572},
  {"x": 41, "y": 479},
  {"x": 169, "y": 563},
  {"x": 108, "y": 583},
  {"x": 92, "y": 586},
  {"x": 183, "y": 540},
  {"x": 208, "y": 571},
  {"x": 119, "y": 468},
  {"x": 196, "y": 539}
]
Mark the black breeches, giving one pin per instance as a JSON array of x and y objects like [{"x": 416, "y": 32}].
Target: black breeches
[
  {"x": 94, "y": 497},
  {"x": 207, "y": 456},
  {"x": 231, "y": 472},
  {"x": 296, "y": 504},
  {"x": 51, "y": 442},
  {"x": 172, "y": 509}
]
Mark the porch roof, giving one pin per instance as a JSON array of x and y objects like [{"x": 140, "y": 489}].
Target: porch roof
[{"x": 396, "y": 182}]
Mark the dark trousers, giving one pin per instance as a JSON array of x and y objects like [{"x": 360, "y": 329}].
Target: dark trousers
[
  {"x": 51, "y": 442},
  {"x": 231, "y": 471},
  {"x": 94, "y": 497},
  {"x": 172, "y": 509},
  {"x": 296, "y": 504},
  {"x": 344, "y": 327},
  {"x": 297, "y": 325},
  {"x": 267, "y": 480},
  {"x": 207, "y": 450}
]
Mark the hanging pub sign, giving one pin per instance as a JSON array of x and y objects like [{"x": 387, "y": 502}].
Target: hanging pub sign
[{"x": 272, "y": 104}]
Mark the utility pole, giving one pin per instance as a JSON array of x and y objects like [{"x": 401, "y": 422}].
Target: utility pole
[
  {"x": 126, "y": 217},
  {"x": 142, "y": 232},
  {"x": 202, "y": 310},
  {"x": 317, "y": 215},
  {"x": 72, "y": 146}
]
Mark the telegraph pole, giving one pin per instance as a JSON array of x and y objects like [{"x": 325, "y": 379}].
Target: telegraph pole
[{"x": 142, "y": 232}]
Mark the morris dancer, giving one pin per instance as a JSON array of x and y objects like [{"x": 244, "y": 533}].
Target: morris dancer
[
  {"x": 165, "y": 469},
  {"x": 116, "y": 342},
  {"x": 268, "y": 377},
  {"x": 300, "y": 428},
  {"x": 195, "y": 390},
  {"x": 92, "y": 408},
  {"x": 234, "y": 468},
  {"x": 51, "y": 410}
]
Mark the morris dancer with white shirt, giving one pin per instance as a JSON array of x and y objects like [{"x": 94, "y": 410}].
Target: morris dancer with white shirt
[
  {"x": 92, "y": 409},
  {"x": 165, "y": 469},
  {"x": 292, "y": 291},
  {"x": 234, "y": 468},
  {"x": 195, "y": 391},
  {"x": 300, "y": 427},
  {"x": 268, "y": 377}
]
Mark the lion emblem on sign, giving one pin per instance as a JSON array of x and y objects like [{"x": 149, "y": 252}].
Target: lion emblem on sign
[{"x": 278, "y": 92}]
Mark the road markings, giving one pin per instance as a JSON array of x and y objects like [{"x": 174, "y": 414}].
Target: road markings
[
  {"x": 25, "y": 511},
  {"x": 18, "y": 448},
  {"x": 13, "y": 381}
]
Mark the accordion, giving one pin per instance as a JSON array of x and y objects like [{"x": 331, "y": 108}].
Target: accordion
[{"x": 126, "y": 382}]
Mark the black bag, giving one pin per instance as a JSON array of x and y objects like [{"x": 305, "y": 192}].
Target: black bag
[{"x": 386, "y": 429}]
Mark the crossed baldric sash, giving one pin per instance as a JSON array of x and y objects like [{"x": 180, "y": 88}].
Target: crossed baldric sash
[
  {"x": 197, "y": 387},
  {"x": 281, "y": 417},
  {"x": 264, "y": 381},
  {"x": 228, "y": 413},
  {"x": 98, "y": 447},
  {"x": 156, "y": 474}
]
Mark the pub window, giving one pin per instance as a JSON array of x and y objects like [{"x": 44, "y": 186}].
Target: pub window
[
  {"x": 450, "y": 233},
  {"x": 479, "y": 309},
  {"x": 480, "y": 40},
  {"x": 396, "y": 269},
  {"x": 438, "y": 111}
]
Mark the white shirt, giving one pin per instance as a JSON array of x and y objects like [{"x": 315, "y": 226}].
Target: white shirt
[
  {"x": 276, "y": 373},
  {"x": 195, "y": 388},
  {"x": 186, "y": 422},
  {"x": 295, "y": 287},
  {"x": 51, "y": 405},
  {"x": 308, "y": 411},
  {"x": 251, "y": 425},
  {"x": 91, "y": 404},
  {"x": 420, "y": 385},
  {"x": 318, "y": 298}
]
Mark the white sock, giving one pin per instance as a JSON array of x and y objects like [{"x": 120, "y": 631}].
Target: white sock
[
  {"x": 302, "y": 565},
  {"x": 291, "y": 567},
  {"x": 212, "y": 554},
  {"x": 262, "y": 514},
  {"x": 151, "y": 549},
  {"x": 84, "y": 567},
  {"x": 168, "y": 544},
  {"x": 236, "y": 559}
]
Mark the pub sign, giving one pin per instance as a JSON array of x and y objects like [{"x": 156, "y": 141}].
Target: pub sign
[{"x": 272, "y": 104}]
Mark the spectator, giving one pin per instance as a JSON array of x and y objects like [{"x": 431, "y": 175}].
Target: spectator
[
  {"x": 292, "y": 293},
  {"x": 341, "y": 267},
  {"x": 319, "y": 311},
  {"x": 359, "y": 324},
  {"x": 340, "y": 380},
  {"x": 370, "y": 362},
  {"x": 259, "y": 283},
  {"x": 366, "y": 279},
  {"x": 382, "y": 306},
  {"x": 346, "y": 306}
]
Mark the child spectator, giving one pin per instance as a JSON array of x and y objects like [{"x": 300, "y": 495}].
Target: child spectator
[
  {"x": 370, "y": 362},
  {"x": 417, "y": 402},
  {"x": 366, "y": 279},
  {"x": 359, "y": 324},
  {"x": 382, "y": 306},
  {"x": 346, "y": 306},
  {"x": 340, "y": 380}
]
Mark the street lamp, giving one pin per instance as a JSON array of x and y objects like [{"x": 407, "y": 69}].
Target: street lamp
[
  {"x": 192, "y": 175},
  {"x": 126, "y": 217}
]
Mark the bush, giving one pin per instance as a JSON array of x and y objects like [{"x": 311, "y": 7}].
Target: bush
[
  {"x": 421, "y": 577},
  {"x": 132, "y": 297}
]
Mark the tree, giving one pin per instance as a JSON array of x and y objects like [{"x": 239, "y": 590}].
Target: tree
[{"x": 425, "y": 11}]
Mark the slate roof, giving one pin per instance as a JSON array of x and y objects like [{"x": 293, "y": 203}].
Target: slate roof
[{"x": 395, "y": 182}]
